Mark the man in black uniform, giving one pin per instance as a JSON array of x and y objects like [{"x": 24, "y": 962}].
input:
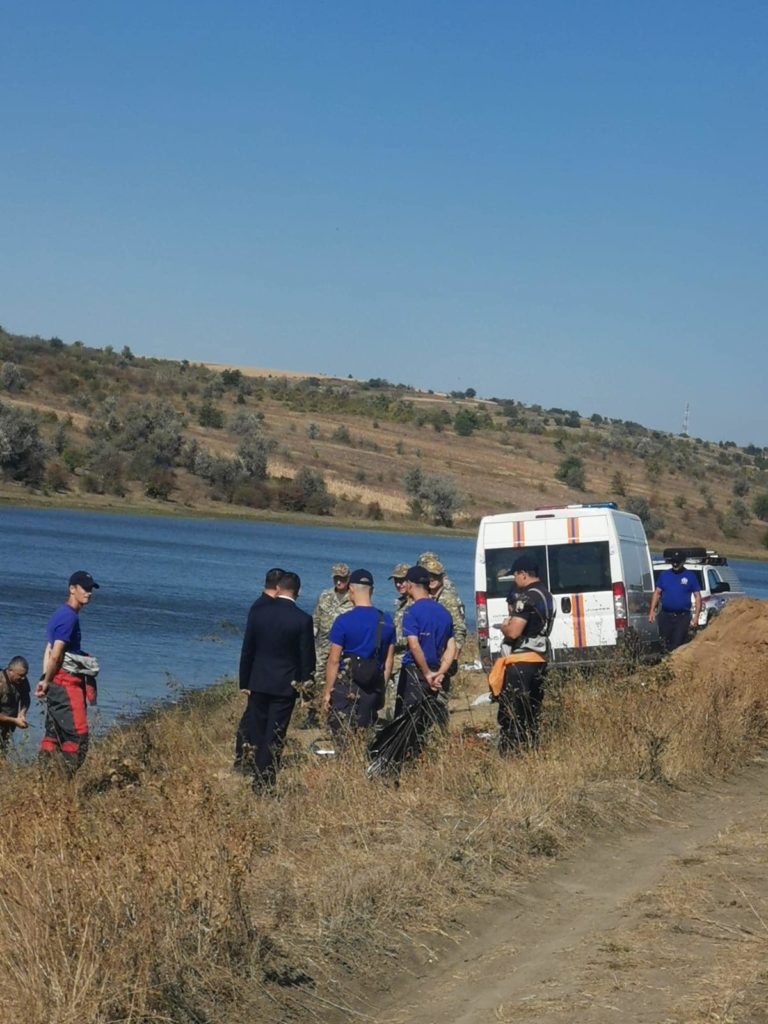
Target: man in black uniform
[
  {"x": 277, "y": 656},
  {"x": 517, "y": 679}
]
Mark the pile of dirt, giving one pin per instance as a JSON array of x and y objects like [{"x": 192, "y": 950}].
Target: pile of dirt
[{"x": 739, "y": 632}]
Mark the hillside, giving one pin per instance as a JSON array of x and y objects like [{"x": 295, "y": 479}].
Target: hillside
[{"x": 104, "y": 429}]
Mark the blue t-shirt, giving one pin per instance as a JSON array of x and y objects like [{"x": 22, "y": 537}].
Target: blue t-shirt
[
  {"x": 355, "y": 632},
  {"x": 676, "y": 590},
  {"x": 432, "y": 625},
  {"x": 64, "y": 625}
]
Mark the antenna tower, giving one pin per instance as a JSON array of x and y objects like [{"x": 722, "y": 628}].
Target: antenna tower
[{"x": 686, "y": 414}]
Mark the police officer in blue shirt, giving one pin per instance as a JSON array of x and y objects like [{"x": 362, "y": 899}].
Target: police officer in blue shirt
[
  {"x": 362, "y": 649},
  {"x": 674, "y": 588}
]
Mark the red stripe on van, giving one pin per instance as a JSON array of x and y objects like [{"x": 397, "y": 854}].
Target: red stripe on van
[{"x": 579, "y": 625}]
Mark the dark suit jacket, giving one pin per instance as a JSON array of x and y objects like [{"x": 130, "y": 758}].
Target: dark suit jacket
[{"x": 278, "y": 648}]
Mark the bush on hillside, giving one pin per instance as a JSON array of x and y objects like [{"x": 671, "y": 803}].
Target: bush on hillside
[
  {"x": 22, "y": 450},
  {"x": 571, "y": 472}
]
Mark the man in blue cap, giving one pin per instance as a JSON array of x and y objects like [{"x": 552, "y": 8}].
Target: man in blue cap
[
  {"x": 69, "y": 677},
  {"x": 517, "y": 679},
  {"x": 362, "y": 650},
  {"x": 674, "y": 588}
]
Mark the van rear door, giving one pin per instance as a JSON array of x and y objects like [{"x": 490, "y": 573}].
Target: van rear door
[
  {"x": 502, "y": 543},
  {"x": 581, "y": 582}
]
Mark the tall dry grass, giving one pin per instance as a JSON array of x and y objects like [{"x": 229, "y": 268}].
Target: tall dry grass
[{"x": 156, "y": 887}]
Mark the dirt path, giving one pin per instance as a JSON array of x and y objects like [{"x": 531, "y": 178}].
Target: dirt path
[{"x": 668, "y": 924}]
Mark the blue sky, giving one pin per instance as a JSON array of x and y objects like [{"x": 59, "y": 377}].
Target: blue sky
[{"x": 559, "y": 202}]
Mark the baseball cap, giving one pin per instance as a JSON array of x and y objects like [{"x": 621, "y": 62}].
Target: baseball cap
[
  {"x": 399, "y": 572},
  {"x": 83, "y": 579},
  {"x": 340, "y": 569},
  {"x": 418, "y": 574},
  {"x": 361, "y": 576},
  {"x": 676, "y": 558},
  {"x": 526, "y": 563},
  {"x": 433, "y": 566}
]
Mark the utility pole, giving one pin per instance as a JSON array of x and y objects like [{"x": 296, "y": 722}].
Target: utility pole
[{"x": 686, "y": 414}]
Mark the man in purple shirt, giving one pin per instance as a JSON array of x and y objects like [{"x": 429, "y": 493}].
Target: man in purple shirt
[{"x": 65, "y": 683}]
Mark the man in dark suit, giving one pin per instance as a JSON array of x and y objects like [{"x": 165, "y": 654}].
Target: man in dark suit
[
  {"x": 278, "y": 654},
  {"x": 243, "y": 752}
]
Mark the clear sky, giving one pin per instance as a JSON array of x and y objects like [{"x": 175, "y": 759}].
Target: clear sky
[{"x": 559, "y": 201}]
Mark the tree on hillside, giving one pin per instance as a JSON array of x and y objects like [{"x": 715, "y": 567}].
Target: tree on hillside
[
  {"x": 432, "y": 494},
  {"x": 760, "y": 506},
  {"x": 22, "y": 450}
]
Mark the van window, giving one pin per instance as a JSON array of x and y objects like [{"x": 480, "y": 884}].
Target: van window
[
  {"x": 579, "y": 568},
  {"x": 498, "y": 568}
]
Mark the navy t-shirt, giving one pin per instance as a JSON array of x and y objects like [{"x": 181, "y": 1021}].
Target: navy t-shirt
[
  {"x": 432, "y": 625},
  {"x": 676, "y": 590},
  {"x": 355, "y": 632},
  {"x": 64, "y": 625}
]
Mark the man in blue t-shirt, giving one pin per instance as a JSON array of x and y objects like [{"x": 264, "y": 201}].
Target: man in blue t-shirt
[
  {"x": 674, "y": 588},
  {"x": 362, "y": 649},
  {"x": 68, "y": 682},
  {"x": 428, "y": 631}
]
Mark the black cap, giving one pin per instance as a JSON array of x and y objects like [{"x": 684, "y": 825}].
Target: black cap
[
  {"x": 526, "y": 563},
  {"x": 361, "y": 576},
  {"x": 418, "y": 574},
  {"x": 676, "y": 558},
  {"x": 83, "y": 579}
]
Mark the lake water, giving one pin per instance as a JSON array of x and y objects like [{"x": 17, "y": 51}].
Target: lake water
[{"x": 175, "y": 592}]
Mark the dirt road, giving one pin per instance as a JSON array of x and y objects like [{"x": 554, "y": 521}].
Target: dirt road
[{"x": 668, "y": 924}]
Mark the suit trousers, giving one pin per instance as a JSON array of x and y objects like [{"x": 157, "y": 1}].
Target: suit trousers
[{"x": 267, "y": 719}]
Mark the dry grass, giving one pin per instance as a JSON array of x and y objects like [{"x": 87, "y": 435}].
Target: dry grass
[{"x": 157, "y": 888}]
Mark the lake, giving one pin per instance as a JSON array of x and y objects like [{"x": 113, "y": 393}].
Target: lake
[{"x": 174, "y": 593}]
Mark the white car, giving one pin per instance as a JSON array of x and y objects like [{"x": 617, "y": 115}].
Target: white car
[{"x": 717, "y": 581}]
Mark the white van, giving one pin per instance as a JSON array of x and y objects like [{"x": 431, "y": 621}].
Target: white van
[{"x": 595, "y": 561}]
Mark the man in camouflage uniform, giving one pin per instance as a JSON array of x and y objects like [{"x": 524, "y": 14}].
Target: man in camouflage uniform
[
  {"x": 449, "y": 599},
  {"x": 390, "y": 694},
  {"x": 448, "y": 585},
  {"x": 330, "y": 604}
]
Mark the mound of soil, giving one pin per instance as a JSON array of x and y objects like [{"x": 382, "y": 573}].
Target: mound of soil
[{"x": 740, "y": 630}]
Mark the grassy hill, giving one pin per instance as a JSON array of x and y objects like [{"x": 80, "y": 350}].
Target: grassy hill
[{"x": 100, "y": 428}]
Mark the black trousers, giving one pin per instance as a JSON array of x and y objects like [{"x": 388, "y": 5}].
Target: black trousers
[
  {"x": 353, "y": 707},
  {"x": 266, "y": 723},
  {"x": 520, "y": 702},
  {"x": 412, "y": 690},
  {"x": 673, "y": 629}
]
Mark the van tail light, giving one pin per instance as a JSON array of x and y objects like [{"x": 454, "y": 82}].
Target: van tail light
[
  {"x": 620, "y": 605},
  {"x": 481, "y": 615}
]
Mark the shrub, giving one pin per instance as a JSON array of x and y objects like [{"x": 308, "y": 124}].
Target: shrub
[
  {"x": 22, "y": 450},
  {"x": 652, "y": 522},
  {"x": 571, "y": 472},
  {"x": 160, "y": 483},
  {"x": 341, "y": 435},
  {"x": 619, "y": 484},
  {"x": 12, "y": 377},
  {"x": 760, "y": 506},
  {"x": 741, "y": 487},
  {"x": 373, "y": 511},
  {"x": 210, "y": 416},
  {"x": 307, "y": 492},
  {"x": 432, "y": 494}
]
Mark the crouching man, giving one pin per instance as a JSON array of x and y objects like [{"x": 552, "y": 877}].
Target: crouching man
[{"x": 362, "y": 650}]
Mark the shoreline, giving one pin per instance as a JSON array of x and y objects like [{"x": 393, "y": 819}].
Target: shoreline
[{"x": 174, "y": 511}]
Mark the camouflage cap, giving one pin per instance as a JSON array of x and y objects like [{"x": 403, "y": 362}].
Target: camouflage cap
[
  {"x": 426, "y": 556},
  {"x": 433, "y": 566},
  {"x": 340, "y": 569},
  {"x": 398, "y": 573}
]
